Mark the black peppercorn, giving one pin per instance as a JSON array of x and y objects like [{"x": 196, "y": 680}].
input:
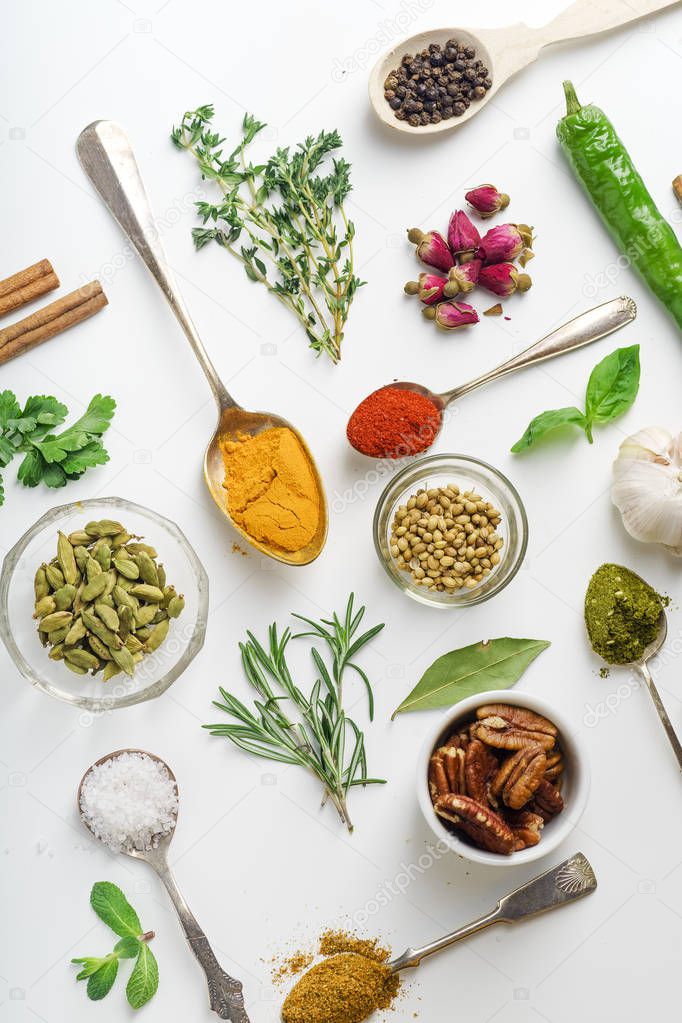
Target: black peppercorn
[
  {"x": 414, "y": 120},
  {"x": 401, "y": 91},
  {"x": 430, "y": 93},
  {"x": 425, "y": 118},
  {"x": 453, "y": 89},
  {"x": 420, "y": 89},
  {"x": 459, "y": 65},
  {"x": 488, "y": 83},
  {"x": 458, "y": 109},
  {"x": 401, "y": 115},
  {"x": 470, "y": 51},
  {"x": 446, "y": 113},
  {"x": 450, "y": 53},
  {"x": 395, "y": 103},
  {"x": 436, "y": 118},
  {"x": 479, "y": 92},
  {"x": 429, "y": 106},
  {"x": 407, "y": 59}
]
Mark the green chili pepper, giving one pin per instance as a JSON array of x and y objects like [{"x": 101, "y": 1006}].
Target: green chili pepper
[{"x": 603, "y": 165}]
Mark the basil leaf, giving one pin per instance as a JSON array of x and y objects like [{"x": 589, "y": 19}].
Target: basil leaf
[
  {"x": 111, "y": 906},
  {"x": 101, "y": 982},
  {"x": 613, "y": 385},
  {"x": 546, "y": 422},
  {"x": 495, "y": 664},
  {"x": 144, "y": 980}
]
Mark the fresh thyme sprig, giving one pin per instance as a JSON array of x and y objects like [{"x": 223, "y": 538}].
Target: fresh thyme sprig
[
  {"x": 292, "y": 245},
  {"x": 313, "y": 732}
]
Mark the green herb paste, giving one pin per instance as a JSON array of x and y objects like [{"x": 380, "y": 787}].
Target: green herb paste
[{"x": 621, "y": 614}]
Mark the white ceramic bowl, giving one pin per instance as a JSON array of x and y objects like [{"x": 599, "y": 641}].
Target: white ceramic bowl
[{"x": 575, "y": 787}]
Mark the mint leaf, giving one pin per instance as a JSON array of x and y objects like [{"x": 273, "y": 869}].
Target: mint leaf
[
  {"x": 90, "y": 965},
  {"x": 144, "y": 980},
  {"x": 613, "y": 385},
  {"x": 127, "y": 948},
  {"x": 101, "y": 982},
  {"x": 546, "y": 422},
  {"x": 111, "y": 906}
]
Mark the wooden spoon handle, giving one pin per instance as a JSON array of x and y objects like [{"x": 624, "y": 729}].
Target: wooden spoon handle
[{"x": 588, "y": 17}]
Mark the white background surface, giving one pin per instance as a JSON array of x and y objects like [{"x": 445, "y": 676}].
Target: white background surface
[{"x": 258, "y": 863}]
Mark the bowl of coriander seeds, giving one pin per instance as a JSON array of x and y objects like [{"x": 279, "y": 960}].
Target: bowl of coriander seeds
[{"x": 450, "y": 530}]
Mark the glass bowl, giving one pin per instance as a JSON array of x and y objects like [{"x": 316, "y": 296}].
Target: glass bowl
[
  {"x": 469, "y": 474},
  {"x": 158, "y": 670}
]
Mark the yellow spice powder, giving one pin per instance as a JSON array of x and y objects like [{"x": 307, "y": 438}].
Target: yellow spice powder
[{"x": 271, "y": 488}]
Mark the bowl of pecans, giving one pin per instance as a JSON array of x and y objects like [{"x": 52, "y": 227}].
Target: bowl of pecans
[
  {"x": 502, "y": 780},
  {"x": 450, "y": 530}
]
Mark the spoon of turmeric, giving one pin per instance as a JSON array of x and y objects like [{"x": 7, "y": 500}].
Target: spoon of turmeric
[
  {"x": 405, "y": 418},
  {"x": 107, "y": 158}
]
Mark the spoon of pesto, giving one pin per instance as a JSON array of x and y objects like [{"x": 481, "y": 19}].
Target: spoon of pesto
[{"x": 627, "y": 626}]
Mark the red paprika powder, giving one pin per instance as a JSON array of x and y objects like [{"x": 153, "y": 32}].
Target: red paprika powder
[{"x": 393, "y": 422}]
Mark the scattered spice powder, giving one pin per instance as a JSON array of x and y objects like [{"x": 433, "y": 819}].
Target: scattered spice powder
[
  {"x": 271, "y": 488},
  {"x": 346, "y": 987},
  {"x": 621, "y": 614},
  {"x": 393, "y": 422},
  {"x": 236, "y": 549}
]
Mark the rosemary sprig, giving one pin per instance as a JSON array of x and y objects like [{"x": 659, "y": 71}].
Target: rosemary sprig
[
  {"x": 311, "y": 731},
  {"x": 293, "y": 245}
]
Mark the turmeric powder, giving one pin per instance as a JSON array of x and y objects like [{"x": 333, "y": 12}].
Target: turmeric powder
[{"x": 271, "y": 488}]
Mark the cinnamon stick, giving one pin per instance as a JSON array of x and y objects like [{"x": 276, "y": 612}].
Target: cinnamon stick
[
  {"x": 677, "y": 187},
  {"x": 26, "y": 285},
  {"x": 52, "y": 319}
]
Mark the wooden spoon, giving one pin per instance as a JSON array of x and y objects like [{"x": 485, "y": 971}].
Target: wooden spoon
[
  {"x": 505, "y": 51},
  {"x": 107, "y": 158}
]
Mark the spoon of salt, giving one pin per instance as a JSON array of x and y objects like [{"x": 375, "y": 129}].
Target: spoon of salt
[{"x": 225, "y": 993}]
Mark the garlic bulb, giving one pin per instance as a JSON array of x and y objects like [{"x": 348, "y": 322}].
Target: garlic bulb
[{"x": 647, "y": 487}]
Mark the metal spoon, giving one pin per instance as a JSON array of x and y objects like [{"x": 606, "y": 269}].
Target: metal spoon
[
  {"x": 642, "y": 667},
  {"x": 571, "y": 880},
  {"x": 107, "y": 158},
  {"x": 583, "y": 330},
  {"x": 225, "y": 993},
  {"x": 505, "y": 51}
]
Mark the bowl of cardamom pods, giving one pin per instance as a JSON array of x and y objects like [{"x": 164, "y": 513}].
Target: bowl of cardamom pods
[{"x": 103, "y": 603}]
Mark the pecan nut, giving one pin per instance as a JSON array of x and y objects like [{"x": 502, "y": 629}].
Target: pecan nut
[
  {"x": 480, "y": 766},
  {"x": 512, "y": 728},
  {"x": 555, "y": 767},
  {"x": 519, "y": 776},
  {"x": 479, "y": 823},
  {"x": 525, "y": 826},
  {"x": 446, "y": 772},
  {"x": 547, "y": 801}
]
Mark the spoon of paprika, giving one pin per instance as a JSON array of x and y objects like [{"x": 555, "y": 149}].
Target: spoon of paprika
[{"x": 405, "y": 418}]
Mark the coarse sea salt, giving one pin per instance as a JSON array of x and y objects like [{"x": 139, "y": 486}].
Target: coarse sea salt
[{"x": 129, "y": 801}]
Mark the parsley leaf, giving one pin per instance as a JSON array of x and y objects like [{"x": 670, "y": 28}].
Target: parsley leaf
[{"x": 52, "y": 458}]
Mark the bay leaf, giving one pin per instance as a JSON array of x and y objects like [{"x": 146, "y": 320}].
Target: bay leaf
[{"x": 493, "y": 664}]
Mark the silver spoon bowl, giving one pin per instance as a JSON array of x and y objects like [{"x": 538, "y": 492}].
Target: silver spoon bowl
[{"x": 225, "y": 993}]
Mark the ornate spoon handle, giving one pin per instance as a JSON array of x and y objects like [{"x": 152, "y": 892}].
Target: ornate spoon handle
[
  {"x": 662, "y": 712},
  {"x": 225, "y": 993}
]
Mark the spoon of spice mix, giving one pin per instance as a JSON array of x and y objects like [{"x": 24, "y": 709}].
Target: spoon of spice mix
[
  {"x": 129, "y": 801},
  {"x": 349, "y": 986},
  {"x": 436, "y": 80},
  {"x": 405, "y": 418},
  {"x": 275, "y": 497},
  {"x": 627, "y": 625}
]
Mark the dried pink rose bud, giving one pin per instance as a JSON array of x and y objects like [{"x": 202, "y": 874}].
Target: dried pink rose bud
[
  {"x": 463, "y": 236},
  {"x": 504, "y": 242},
  {"x": 429, "y": 288},
  {"x": 432, "y": 248},
  {"x": 462, "y": 279},
  {"x": 450, "y": 315},
  {"x": 503, "y": 279},
  {"x": 486, "y": 200}
]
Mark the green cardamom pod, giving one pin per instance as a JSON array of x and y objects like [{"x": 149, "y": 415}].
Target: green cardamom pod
[
  {"x": 82, "y": 556},
  {"x": 44, "y": 606},
  {"x": 99, "y": 648},
  {"x": 80, "y": 538},
  {"x": 67, "y": 560},
  {"x": 176, "y": 605},
  {"x": 142, "y": 548},
  {"x": 56, "y": 620},
  {"x": 112, "y": 579},
  {"x": 105, "y": 527},
  {"x": 75, "y": 633},
  {"x": 64, "y": 597},
  {"x": 41, "y": 586},
  {"x": 110, "y": 669},
  {"x": 124, "y": 659},
  {"x": 161, "y": 572},
  {"x": 160, "y": 616},
  {"x": 107, "y": 615},
  {"x": 103, "y": 556},
  {"x": 157, "y": 637},
  {"x": 55, "y": 576},
  {"x": 132, "y": 643},
  {"x": 107, "y": 599},
  {"x": 82, "y": 658},
  {"x": 75, "y": 668},
  {"x": 78, "y": 599},
  {"x": 126, "y": 621},
  {"x": 145, "y": 614},
  {"x": 121, "y": 596},
  {"x": 147, "y": 568},
  {"x": 57, "y": 635},
  {"x": 94, "y": 625},
  {"x": 57, "y": 652},
  {"x": 146, "y": 592},
  {"x": 168, "y": 594},
  {"x": 143, "y": 633},
  {"x": 127, "y": 568},
  {"x": 120, "y": 539},
  {"x": 95, "y": 587},
  {"x": 92, "y": 569}
]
